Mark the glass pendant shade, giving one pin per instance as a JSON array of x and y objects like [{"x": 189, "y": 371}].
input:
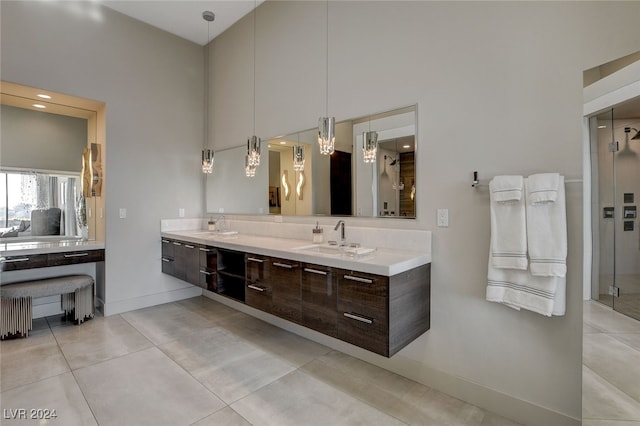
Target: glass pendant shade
[
  {"x": 369, "y": 146},
  {"x": 207, "y": 160},
  {"x": 327, "y": 135},
  {"x": 298, "y": 158},
  {"x": 253, "y": 151},
  {"x": 249, "y": 169}
]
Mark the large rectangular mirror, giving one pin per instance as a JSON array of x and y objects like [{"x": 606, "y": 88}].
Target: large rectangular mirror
[
  {"x": 295, "y": 179},
  {"x": 48, "y": 159}
]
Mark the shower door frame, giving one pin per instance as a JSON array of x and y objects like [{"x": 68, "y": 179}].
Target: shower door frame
[{"x": 624, "y": 88}]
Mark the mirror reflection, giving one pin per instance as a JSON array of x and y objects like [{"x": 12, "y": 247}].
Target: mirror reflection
[
  {"x": 295, "y": 179},
  {"x": 45, "y": 164}
]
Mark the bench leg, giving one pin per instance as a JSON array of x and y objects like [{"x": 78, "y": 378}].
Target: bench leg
[
  {"x": 78, "y": 306},
  {"x": 15, "y": 316}
]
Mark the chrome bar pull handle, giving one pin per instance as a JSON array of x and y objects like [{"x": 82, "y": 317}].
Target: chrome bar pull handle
[
  {"x": 255, "y": 259},
  {"x": 315, "y": 271},
  {"x": 257, "y": 288},
  {"x": 358, "y": 318},
  {"x": 283, "y": 265},
  {"x": 358, "y": 279},
  {"x": 77, "y": 254},
  {"x": 20, "y": 259}
]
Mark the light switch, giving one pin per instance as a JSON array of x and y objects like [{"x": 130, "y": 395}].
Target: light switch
[
  {"x": 123, "y": 213},
  {"x": 443, "y": 218}
]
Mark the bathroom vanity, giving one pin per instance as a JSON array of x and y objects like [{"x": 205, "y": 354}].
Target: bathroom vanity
[{"x": 379, "y": 301}]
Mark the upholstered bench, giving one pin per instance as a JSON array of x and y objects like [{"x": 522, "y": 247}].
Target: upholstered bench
[{"x": 16, "y": 301}]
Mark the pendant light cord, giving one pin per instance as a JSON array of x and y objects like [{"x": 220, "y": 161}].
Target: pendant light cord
[
  {"x": 255, "y": 4},
  {"x": 327, "y": 64}
]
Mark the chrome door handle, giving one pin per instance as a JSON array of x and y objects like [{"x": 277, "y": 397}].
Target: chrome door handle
[
  {"x": 358, "y": 318},
  {"x": 315, "y": 271},
  {"x": 255, "y": 287},
  {"x": 358, "y": 279},
  {"x": 76, "y": 255}
]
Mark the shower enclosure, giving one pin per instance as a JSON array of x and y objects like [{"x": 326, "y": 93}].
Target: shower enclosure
[{"x": 615, "y": 165}]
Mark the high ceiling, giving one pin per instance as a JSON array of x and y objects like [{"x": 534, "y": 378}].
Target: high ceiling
[{"x": 184, "y": 18}]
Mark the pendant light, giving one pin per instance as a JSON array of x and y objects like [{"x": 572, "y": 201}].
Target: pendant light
[
  {"x": 327, "y": 125},
  {"x": 207, "y": 154},
  {"x": 298, "y": 156},
  {"x": 253, "y": 143},
  {"x": 369, "y": 146}
]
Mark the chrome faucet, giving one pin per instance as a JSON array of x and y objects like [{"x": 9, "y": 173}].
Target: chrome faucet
[{"x": 340, "y": 225}]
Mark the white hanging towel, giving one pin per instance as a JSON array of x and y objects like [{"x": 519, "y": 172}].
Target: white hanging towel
[
  {"x": 508, "y": 223},
  {"x": 546, "y": 224},
  {"x": 519, "y": 289}
]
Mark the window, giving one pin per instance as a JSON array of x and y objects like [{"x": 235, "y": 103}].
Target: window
[{"x": 24, "y": 192}]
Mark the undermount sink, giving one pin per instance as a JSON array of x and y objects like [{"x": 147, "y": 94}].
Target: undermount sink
[
  {"x": 334, "y": 250},
  {"x": 218, "y": 233},
  {"x": 324, "y": 249}
]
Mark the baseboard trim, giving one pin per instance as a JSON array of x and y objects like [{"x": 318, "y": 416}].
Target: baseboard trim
[
  {"x": 120, "y": 306},
  {"x": 518, "y": 410}
]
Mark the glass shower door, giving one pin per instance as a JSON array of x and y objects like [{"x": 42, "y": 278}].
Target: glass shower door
[{"x": 616, "y": 187}]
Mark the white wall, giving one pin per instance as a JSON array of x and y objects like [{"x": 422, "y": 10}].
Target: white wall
[
  {"x": 499, "y": 90},
  {"x": 152, "y": 84}
]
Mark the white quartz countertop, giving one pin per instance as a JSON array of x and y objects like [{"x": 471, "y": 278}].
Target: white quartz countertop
[
  {"x": 21, "y": 248},
  {"x": 381, "y": 262}
]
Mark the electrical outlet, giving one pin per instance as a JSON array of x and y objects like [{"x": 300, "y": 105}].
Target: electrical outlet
[
  {"x": 180, "y": 212},
  {"x": 123, "y": 213},
  {"x": 443, "y": 218}
]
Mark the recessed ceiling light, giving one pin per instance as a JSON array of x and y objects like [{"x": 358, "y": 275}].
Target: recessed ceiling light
[
  {"x": 602, "y": 127},
  {"x": 406, "y": 146},
  {"x": 39, "y": 106},
  {"x": 283, "y": 142},
  {"x": 43, "y": 96}
]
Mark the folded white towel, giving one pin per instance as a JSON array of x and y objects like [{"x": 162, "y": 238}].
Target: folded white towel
[
  {"x": 547, "y": 233},
  {"x": 543, "y": 188},
  {"x": 506, "y": 188},
  {"x": 508, "y": 227},
  {"x": 520, "y": 290}
]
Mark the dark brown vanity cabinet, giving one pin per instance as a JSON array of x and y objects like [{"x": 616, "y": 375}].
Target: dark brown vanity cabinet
[
  {"x": 181, "y": 259},
  {"x": 208, "y": 266},
  {"x": 319, "y": 299},
  {"x": 258, "y": 291},
  {"x": 379, "y": 313},
  {"x": 363, "y": 316},
  {"x": 286, "y": 295},
  {"x": 384, "y": 314},
  {"x": 193, "y": 263}
]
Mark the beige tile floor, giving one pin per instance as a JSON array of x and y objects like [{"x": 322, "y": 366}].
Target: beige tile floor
[
  {"x": 611, "y": 367},
  {"x": 198, "y": 362}
]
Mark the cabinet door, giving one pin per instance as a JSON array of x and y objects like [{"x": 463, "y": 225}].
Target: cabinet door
[
  {"x": 191, "y": 258},
  {"x": 208, "y": 268},
  {"x": 258, "y": 291},
  {"x": 286, "y": 299},
  {"x": 319, "y": 299},
  {"x": 168, "y": 257},
  {"x": 363, "y": 310}
]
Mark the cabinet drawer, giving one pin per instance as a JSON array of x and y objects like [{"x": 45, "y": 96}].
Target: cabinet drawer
[
  {"x": 363, "y": 310},
  {"x": 258, "y": 296},
  {"x": 69, "y": 258},
  {"x": 364, "y": 294},
  {"x": 15, "y": 263},
  {"x": 208, "y": 280},
  {"x": 371, "y": 333},
  {"x": 319, "y": 299},
  {"x": 286, "y": 300}
]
